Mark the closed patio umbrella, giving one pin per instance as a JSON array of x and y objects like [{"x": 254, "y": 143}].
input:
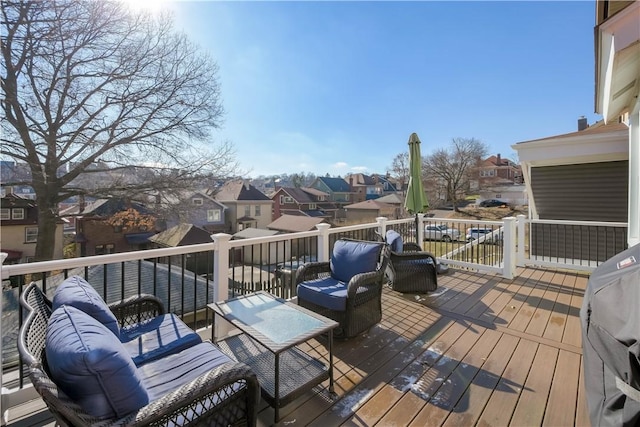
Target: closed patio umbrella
[{"x": 415, "y": 201}]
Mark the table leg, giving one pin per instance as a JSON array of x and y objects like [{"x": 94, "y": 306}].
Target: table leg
[
  {"x": 331, "y": 360},
  {"x": 277, "y": 389}
]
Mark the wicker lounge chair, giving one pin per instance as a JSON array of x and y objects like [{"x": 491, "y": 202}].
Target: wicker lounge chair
[
  {"x": 210, "y": 393},
  {"x": 411, "y": 269},
  {"x": 349, "y": 288}
]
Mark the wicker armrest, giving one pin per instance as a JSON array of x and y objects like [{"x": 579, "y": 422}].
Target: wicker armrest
[
  {"x": 411, "y": 247},
  {"x": 410, "y": 256},
  {"x": 370, "y": 280},
  {"x": 184, "y": 406},
  {"x": 182, "y": 403},
  {"x": 136, "y": 309},
  {"x": 311, "y": 270}
]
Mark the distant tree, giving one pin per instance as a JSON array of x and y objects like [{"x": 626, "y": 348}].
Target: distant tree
[
  {"x": 400, "y": 168},
  {"x": 104, "y": 101},
  {"x": 452, "y": 167}
]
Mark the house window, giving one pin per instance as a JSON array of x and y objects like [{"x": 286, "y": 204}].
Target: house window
[
  {"x": 312, "y": 206},
  {"x": 288, "y": 199},
  {"x": 257, "y": 210},
  {"x": 17, "y": 213},
  {"x": 213, "y": 215},
  {"x": 109, "y": 248},
  {"x": 5, "y": 213},
  {"x": 247, "y": 211},
  {"x": 31, "y": 234},
  {"x": 281, "y": 199},
  {"x": 197, "y": 202}
]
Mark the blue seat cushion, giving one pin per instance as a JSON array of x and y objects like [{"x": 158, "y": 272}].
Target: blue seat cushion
[
  {"x": 326, "y": 292},
  {"x": 77, "y": 292},
  {"x": 394, "y": 240},
  {"x": 165, "y": 334},
  {"x": 167, "y": 374},
  {"x": 91, "y": 365},
  {"x": 352, "y": 257}
]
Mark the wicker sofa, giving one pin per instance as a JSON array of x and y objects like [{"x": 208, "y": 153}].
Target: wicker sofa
[
  {"x": 154, "y": 373},
  {"x": 348, "y": 289}
]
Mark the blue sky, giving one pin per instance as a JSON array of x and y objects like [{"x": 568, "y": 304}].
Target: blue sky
[{"x": 338, "y": 87}]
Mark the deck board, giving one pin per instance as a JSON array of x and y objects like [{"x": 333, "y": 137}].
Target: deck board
[{"x": 483, "y": 350}]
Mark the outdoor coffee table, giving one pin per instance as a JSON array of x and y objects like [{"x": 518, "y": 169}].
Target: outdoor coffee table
[{"x": 272, "y": 327}]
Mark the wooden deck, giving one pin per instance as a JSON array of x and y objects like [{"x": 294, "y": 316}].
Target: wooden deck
[{"x": 482, "y": 351}]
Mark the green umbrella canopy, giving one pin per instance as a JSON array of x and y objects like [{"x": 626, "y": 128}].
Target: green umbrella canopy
[{"x": 415, "y": 201}]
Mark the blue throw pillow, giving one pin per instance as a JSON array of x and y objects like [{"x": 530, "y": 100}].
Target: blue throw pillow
[
  {"x": 352, "y": 257},
  {"x": 91, "y": 365},
  {"x": 77, "y": 292},
  {"x": 394, "y": 240}
]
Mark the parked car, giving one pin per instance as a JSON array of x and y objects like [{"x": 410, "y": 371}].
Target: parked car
[
  {"x": 440, "y": 232},
  {"x": 493, "y": 203},
  {"x": 475, "y": 233}
]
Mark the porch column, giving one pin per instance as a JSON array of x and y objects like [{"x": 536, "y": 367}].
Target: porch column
[
  {"x": 633, "y": 233},
  {"x": 521, "y": 247},
  {"x": 382, "y": 225},
  {"x": 221, "y": 266},
  {"x": 420, "y": 230}
]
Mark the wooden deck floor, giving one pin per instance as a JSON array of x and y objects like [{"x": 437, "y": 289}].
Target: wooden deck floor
[{"x": 482, "y": 351}]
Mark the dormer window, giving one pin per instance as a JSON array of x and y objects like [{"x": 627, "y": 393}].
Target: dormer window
[
  {"x": 17, "y": 213},
  {"x": 5, "y": 214},
  {"x": 197, "y": 201}
]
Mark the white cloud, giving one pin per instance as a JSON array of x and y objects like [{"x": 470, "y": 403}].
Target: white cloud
[{"x": 340, "y": 165}]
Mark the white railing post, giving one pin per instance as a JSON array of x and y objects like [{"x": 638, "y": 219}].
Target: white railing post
[
  {"x": 382, "y": 226},
  {"x": 509, "y": 252},
  {"x": 221, "y": 266},
  {"x": 4, "y": 412},
  {"x": 323, "y": 242},
  {"x": 420, "y": 230},
  {"x": 521, "y": 222}
]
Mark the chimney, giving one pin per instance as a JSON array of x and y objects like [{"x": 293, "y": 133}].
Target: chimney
[
  {"x": 498, "y": 160},
  {"x": 582, "y": 123}
]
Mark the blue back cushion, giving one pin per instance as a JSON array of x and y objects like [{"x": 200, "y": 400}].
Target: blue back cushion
[
  {"x": 77, "y": 292},
  {"x": 350, "y": 258},
  {"x": 394, "y": 240},
  {"x": 91, "y": 365}
]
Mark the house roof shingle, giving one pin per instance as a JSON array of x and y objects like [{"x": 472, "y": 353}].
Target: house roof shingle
[
  {"x": 294, "y": 223},
  {"x": 239, "y": 190},
  {"x": 337, "y": 185}
]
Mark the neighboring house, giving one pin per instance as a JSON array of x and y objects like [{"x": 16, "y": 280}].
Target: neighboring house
[
  {"x": 201, "y": 210},
  {"x": 617, "y": 43},
  {"x": 494, "y": 170},
  {"x": 300, "y": 201},
  {"x": 19, "y": 229},
  {"x": 338, "y": 189},
  {"x": 593, "y": 174},
  {"x": 364, "y": 187},
  {"x": 395, "y": 199},
  {"x": 389, "y": 185},
  {"x": 98, "y": 234},
  {"x": 247, "y": 207},
  {"x": 515, "y": 195},
  {"x": 369, "y": 210},
  {"x": 182, "y": 235}
]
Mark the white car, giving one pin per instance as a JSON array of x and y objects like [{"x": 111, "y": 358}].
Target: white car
[
  {"x": 440, "y": 232},
  {"x": 492, "y": 235}
]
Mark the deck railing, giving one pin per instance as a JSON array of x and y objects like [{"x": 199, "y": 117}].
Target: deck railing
[{"x": 187, "y": 278}]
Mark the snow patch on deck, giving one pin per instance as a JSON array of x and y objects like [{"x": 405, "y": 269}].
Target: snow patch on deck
[{"x": 351, "y": 403}]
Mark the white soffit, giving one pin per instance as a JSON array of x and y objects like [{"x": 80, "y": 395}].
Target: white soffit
[
  {"x": 610, "y": 146},
  {"x": 619, "y": 67}
]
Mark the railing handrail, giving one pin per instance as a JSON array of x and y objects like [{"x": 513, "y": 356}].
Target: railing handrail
[{"x": 585, "y": 223}]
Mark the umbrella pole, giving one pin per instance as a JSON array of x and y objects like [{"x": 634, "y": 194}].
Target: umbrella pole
[{"x": 417, "y": 234}]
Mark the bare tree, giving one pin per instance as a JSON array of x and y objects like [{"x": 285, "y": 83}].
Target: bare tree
[
  {"x": 101, "y": 100},
  {"x": 453, "y": 167},
  {"x": 400, "y": 168}
]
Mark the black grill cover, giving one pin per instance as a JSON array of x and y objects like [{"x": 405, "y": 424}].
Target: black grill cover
[{"x": 610, "y": 318}]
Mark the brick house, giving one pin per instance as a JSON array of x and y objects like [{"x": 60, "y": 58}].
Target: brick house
[
  {"x": 97, "y": 235},
  {"x": 302, "y": 202},
  {"x": 494, "y": 170}
]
